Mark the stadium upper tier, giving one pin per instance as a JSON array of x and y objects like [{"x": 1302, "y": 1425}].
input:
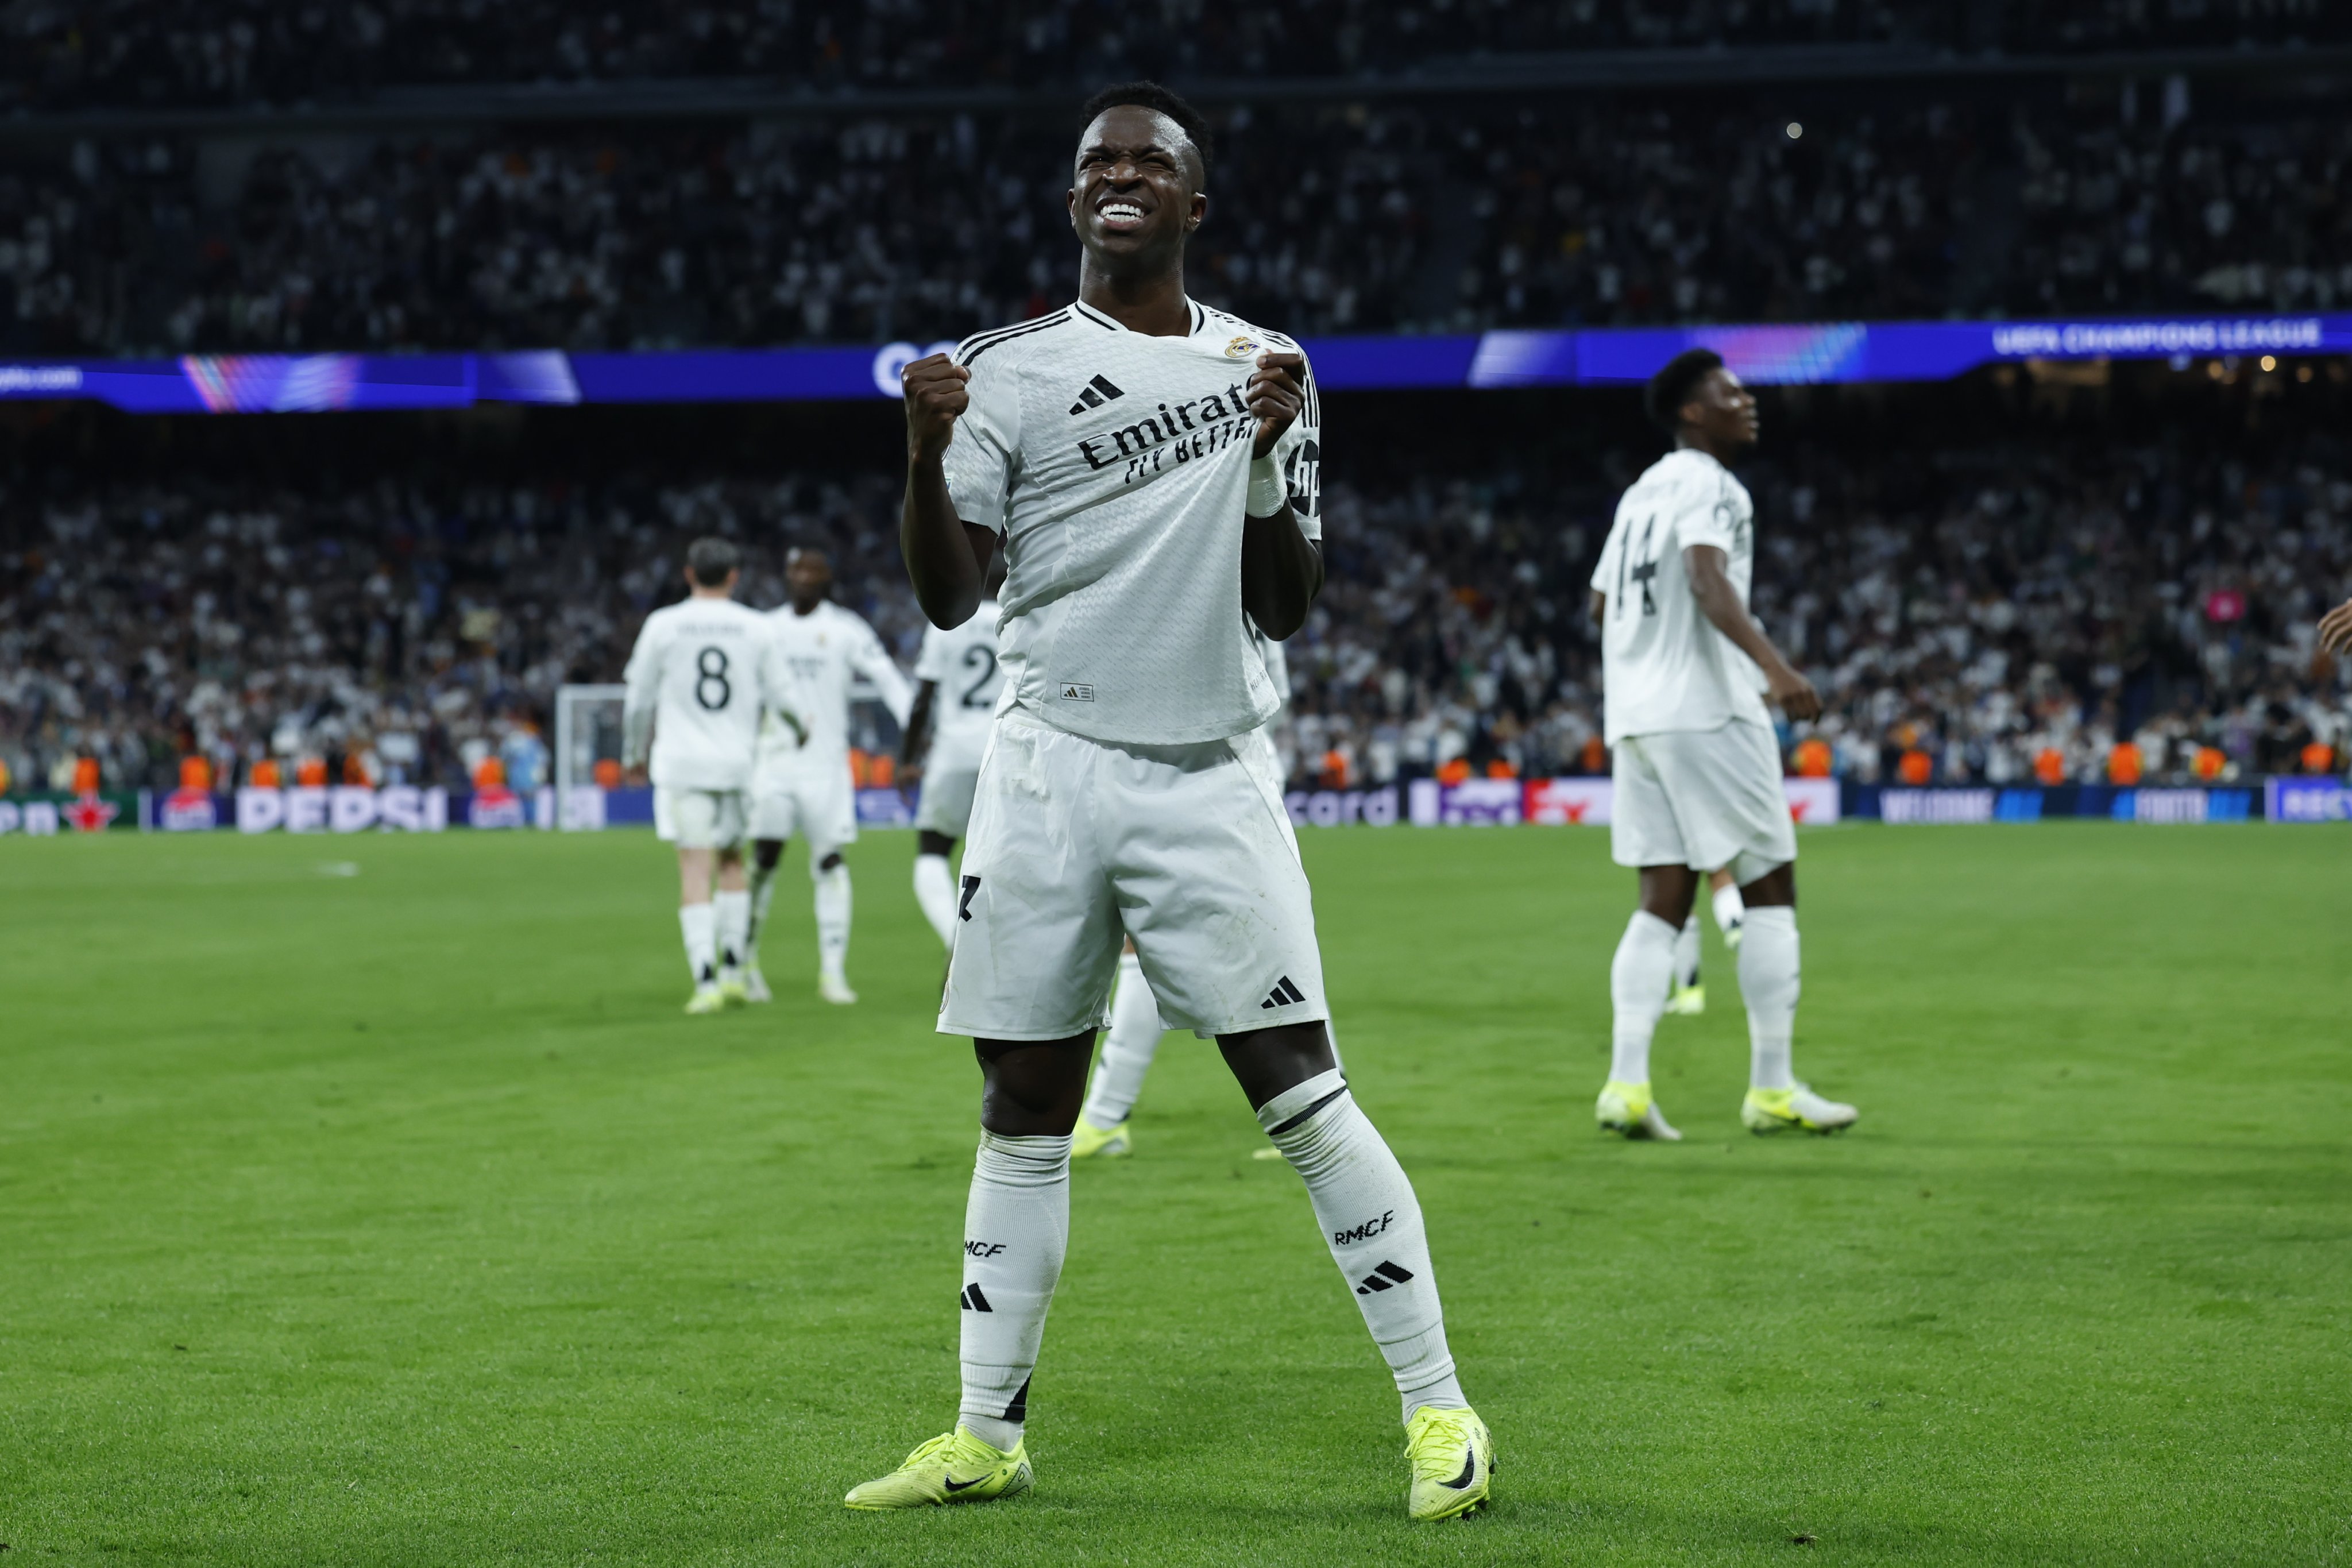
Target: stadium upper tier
[
  {"x": 1341, "y": 219},
  {"x": 1976, "y": 577},
  {"x": 63, "y": 55}
]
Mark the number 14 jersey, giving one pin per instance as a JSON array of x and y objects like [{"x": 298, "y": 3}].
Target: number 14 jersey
[
  {"x": 701, "y": 673},
  {"x": 1664, "y": 665}
]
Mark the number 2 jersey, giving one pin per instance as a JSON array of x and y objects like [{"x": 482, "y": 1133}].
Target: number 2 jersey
[
  {"x": 700, "y": 675},
  {"x": 1664, "y": 664},
  {"x": 1116, "y": 467},
  {"x": 961, "y": 661}
]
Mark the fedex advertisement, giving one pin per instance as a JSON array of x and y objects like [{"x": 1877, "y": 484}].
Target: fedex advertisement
[{"x": 1569, "y": 802}]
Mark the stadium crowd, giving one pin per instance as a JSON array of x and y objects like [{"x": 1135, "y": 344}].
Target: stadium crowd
[
  {"x": 2002, "y": 606},
  {"x": 1339, "y": 220},
  {"x": 62, "y": 55}
]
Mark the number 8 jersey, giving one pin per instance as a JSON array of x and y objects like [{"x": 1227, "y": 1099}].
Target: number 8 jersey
[
  {"x": 700, "y": 676},
  {"x": 1664, "y": 665}
]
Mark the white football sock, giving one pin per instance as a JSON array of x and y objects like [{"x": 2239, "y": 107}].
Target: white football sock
[
  {"x": 1127, "y": 1050},
  {"x": 1769, "y": 984},
  {"x": 935, "y": 892},
  {"x": 731, "y": 918},
  {"x": 1686, "y": 952},
  {"x": 833, "y": 920},
  {"x": 1730, "y": 909},
  {"x": 1637, "y": 989},
  {"x": 763, "y": 893},
  {"x": 697, "y": 924},
  {"x": 1016, "y": 1228},
  {"x": 1371, "y": 1222}
]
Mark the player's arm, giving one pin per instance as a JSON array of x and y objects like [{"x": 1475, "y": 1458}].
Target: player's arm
[
  {"x": 1282, "y": 569},
  {"x": 780, "y": 689},
  {"x": 1599, "y": 606},
  {"x": 915, "y": 737},
  {"x": 2336, "y": 628},
  {"x": 1704, "y": 565},
  {"x": 947, "y": 558},
  {"x": 873, "y": 661},
  {"x": 640, "y": 683}
]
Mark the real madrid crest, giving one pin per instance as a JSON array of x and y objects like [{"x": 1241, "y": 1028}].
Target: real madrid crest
[{"x": 1240, "y": 347}]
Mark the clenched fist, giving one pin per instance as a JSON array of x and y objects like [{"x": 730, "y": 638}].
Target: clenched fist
[
  {"x": 936, "y": 399},
  {"x": 1276, "y": 392}
]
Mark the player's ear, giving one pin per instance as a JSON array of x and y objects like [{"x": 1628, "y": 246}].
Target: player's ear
[{"x": 1199, "y": 211}]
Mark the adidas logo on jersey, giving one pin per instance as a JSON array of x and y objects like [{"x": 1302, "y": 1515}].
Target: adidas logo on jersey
[
  {"x": 1094, "y": 394},
  {"x": 1385, "y": 1276},
  {"x": 1285, "y": 994}
]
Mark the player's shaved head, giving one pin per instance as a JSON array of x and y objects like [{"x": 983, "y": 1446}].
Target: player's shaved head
[
  {"x": 808, "y": 577},
  {"x": 1677, "y": 383},
  {"x": 1187, "y": 127}
]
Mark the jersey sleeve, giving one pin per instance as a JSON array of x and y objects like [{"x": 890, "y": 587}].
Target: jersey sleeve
[
  {"x": 641, "y": 686},
  {"x": 984, "y": 453},
  {"x": 1704, "y": 513},
  {"x": 780, "y": 691},
  {"x": 1300, "y": 453}
]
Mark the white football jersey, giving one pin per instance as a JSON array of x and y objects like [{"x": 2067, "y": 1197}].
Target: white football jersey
[
  {"x": 1664, "y": 664},
  {"x": 1116, "y": 466},
  {"x": 826, "y": 651},
  {"x": 962, "y": 663},
  {"x": 703, "y": 672}
]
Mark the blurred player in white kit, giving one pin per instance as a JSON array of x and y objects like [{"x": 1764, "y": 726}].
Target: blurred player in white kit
[
  {"x": 957, "y": 681},
  {"x": 703, "y": 671},
  {"x": 802, "y": 783}
]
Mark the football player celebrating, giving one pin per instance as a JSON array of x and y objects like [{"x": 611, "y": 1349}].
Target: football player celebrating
[
  {"x": 943, "y": 742},
  {"x": 802, "y": 784},
  {"x": 1150, "y": 466},
  {"x": 1686, "y": 673},
  {"x": 702, "y": 671}
]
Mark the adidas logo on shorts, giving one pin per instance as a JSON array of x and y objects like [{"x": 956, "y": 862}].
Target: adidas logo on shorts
[
  {"x": 1094, "y": 394},
  {"x": 1385, "y": 1276},
  {"x": 1283, "y": 994}
]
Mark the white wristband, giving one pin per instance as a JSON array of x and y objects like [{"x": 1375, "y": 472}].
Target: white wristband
[{"x": 1267, "y": 492}]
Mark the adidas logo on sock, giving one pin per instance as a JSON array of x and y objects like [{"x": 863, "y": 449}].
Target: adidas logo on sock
[
  {"x": 1386, "y": 1276},
  {"x": 971, "y": 1300},
  {"x": 1094, "y": 395},
  {"x": 1283, "y": 994}
]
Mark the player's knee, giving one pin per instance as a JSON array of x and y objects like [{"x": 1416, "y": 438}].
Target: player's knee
[
  {"x": 766, "y": 852},
  {"x": 929, "y": 842},
  {"x": 1774, "y": 888},
  {"x": 1033, "y": 1089},
  {"x": 829, "y": 862}
]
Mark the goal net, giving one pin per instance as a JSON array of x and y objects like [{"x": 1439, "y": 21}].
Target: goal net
[{"x": 587, "y": 733}]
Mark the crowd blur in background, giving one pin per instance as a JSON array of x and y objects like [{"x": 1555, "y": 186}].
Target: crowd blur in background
[{"x": 2048, "y": 575}]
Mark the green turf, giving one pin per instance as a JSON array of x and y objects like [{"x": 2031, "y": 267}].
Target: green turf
[{"x": 398, "y": 1218}]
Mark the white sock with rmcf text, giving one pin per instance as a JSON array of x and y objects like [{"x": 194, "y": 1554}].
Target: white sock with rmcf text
[
  {"x": 1638, "y": 976},
  {"x": 731, "y": 923},
  {"x": 1769, "y": 982},
  {"x": 1016, "y": 1228},
  {"x": 1127, "y": 1048},
  {"x": 1371, "y": 1221},
  {"x": 1686, "y": 952}
]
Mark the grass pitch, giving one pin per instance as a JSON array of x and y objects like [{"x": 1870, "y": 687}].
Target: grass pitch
[{"x": 369, "y": 1201}]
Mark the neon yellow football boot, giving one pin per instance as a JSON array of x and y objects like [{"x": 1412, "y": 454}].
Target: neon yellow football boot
[
  {"x": 1627, "y": 1108},
  {"x": 1453, "y": 1460},
  {"x": 954, "y": 1466},
  {"x": 1796, "y": 1110},
  {"x": 1088, "y": 1141},
  {"x": 1687, "y": 1000},
  {"x": 707, "y": 999}
]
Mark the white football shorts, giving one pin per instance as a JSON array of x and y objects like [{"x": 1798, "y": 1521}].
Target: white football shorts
[
  {"x": 807, "y": 797},
  {"x": 1702, "y": 798},
  {"x": 699, "y": 818},
  {"x": 1075, "y": 842},
  {"x": 950, "y": 775}
]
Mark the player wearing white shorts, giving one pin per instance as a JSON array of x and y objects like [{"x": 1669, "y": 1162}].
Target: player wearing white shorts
[
  {"x": 1152, "y": 468},
  {"x": 701, "y": 673},
  {"x": 1133, "y": 1039},
  {"x": 957, "y": 679},
  {"x": 803, "y": 785},
  {"x": 1686, "y": 673}
]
